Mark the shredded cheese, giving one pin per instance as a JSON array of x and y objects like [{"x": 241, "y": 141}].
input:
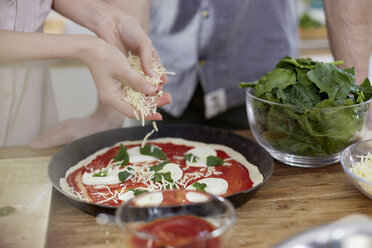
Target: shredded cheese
[{"x": 363, "y": 169}]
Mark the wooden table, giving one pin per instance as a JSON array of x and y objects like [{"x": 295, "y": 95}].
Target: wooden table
[{"x": 293, "y": 200}]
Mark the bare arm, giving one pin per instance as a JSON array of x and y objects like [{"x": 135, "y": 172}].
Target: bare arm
[
  {"x": 109, "y": 22},
  {"x": 20, "y": 46},
  {"x": 349, "y": 25}
]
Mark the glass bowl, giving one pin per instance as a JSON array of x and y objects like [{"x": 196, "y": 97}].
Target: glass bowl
[
  {"x": 175, "y": 219},
  {"x": 306, "y": 137},
  {"x": 352, "y": 155}
]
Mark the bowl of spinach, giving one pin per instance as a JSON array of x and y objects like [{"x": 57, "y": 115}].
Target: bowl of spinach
[{"x": 304, "y": 112}]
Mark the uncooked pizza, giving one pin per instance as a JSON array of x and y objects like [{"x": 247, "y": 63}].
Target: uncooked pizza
[{"x": 116, "y": 174}]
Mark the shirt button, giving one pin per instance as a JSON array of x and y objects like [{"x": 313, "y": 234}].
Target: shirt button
[
  {"x": 205, "y": 14},
  {"x": 201, "y": 62},
  {"x": 10, "y": 3}
]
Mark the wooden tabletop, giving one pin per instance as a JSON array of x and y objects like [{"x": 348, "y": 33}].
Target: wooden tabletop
[{"x": 293, "y": 200}]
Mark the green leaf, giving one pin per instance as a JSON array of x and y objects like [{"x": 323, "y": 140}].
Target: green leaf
[
  {"x": 214, "y": 161},
  {"x": 122, "y": 155},
  {"x": 276, "y": 79},
  {"x": 101, "y": 174},
  {"x": 246, "y": 85},
  {"x": 332, "y": 81},
  {"x": 199, "y": 186},
  {"x": 158, "y": 177},
  {"x": 191, "y": 158},
  {"x": 159, "y": 167},
  {"x": 153, "y": 151},
  {"x": 124, "y": 175},
  {"x": 138, "y": 191},
  {"x": 6, "y": 210}
]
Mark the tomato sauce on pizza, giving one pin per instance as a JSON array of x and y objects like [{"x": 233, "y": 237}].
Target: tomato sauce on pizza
[{"x": 119, "y": 173}]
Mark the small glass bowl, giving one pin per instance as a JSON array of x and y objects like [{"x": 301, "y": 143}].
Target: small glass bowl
[
  {"x": 306, "y": 137},
  {"x": 352, "y": 155},
  {"x": 145, "y": 220}
]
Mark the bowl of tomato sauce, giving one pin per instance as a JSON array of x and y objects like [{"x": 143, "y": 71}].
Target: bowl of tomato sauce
[{"x": 176, "y": 219}]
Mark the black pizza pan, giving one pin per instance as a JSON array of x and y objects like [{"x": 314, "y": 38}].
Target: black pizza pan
[{"x": 71, "y": 154}]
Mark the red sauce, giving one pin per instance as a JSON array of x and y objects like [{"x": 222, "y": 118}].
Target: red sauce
[
  {"x": 235, "y": 174},
  {"x": 178, "y": 231}
]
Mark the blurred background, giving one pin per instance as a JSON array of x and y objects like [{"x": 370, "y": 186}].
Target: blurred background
[{"x": 76, "y": 95}]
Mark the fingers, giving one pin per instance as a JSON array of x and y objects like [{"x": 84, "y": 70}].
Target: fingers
[
  {"x": 131, "y": 78},
  {"x": 146, "y": 57},
  {"x": 128, "y": 110}
]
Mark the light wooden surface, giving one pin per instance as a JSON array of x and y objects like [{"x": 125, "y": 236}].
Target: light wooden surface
[{"x": 293, "y": 200}]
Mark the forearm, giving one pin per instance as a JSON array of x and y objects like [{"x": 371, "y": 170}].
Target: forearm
[
  {"x": 21, "y": 46},
  {"x": 349, "y": 25},
  {"x": 138, "y": 9}
]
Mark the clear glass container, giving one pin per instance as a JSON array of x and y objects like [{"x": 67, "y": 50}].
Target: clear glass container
[
  {"x": 350, "y": 156},
  {"x": 175, "y": 219},
  {"x": 306, "y": 137}
]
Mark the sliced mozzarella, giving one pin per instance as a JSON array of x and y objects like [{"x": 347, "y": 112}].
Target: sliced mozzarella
[
  {"x": 136, "y": 157},
  {"x": 202, "y": 153},
  {"x": 217, "y": 186},
  {"x": 196, "y": 197},
  {"x": 174, "y": 169},
  {"x": 126, "y": 196},
  {"x": 110, "y": 178},
  {"x": 150, "y": 199}
]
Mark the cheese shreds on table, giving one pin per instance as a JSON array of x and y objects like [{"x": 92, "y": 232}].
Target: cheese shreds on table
[{"x": 363, "y": 169}]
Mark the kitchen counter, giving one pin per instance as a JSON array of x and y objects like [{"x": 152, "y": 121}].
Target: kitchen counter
[{"x": 293, "y": 200}]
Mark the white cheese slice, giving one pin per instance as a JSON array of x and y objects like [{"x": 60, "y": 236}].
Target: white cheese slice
[
  {"x": 202, "y": 152},
  {"x": 126, "y": 196},
  {"x": 216, "y": 186},
  {"x": 174, "y": 169},
  {"x": 196, "y": 197},
  {"x": 136, "y": 157},
  {"x": 111, "y": 178},
  {"x": 150, "y": 199}
]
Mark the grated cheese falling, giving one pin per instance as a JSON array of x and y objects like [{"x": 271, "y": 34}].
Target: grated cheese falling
[{"x": 144, "y": 104}]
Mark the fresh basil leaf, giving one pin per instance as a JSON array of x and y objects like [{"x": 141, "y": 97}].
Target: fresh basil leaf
[
  {"x": 122, "y": 155},
  {"x": 191, "y": 158},
  {"x": 6, "y": 210},
  {"x": 124, "y": 175},
  {"x": 138, "y": 191},
  {"x": 158, "y": 177},
  {"x": 199, "y": 186},
  {"x": 214, "y": 161},
  {"x": 101, "y": 174},
  {"x": 159, "y": 167},
  {"x": 153, "y": 151}
]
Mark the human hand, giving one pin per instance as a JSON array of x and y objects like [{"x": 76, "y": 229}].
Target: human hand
[
  {"x": 110, "y": 70},
  {"x": 124, "y": 32}
]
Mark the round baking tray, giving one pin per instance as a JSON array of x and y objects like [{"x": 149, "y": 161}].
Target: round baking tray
[{"x": 71, "y": 154}]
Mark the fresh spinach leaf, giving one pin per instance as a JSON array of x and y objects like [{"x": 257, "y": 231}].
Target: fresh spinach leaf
[
  {"x": 124, "y": 175},
  {"x": 101, "y": 174},
  {"x": 159, "y": 167},
  {"x": 214, "y": 161},
  {"x": 199, "y": 186},
  {"x": 158, "y": 177},
  {"x": 138, "y": 191},
  {"x": 151, "y": 150},
  {"x": 122, "y": 155},
  {"x": 191, "y": 158}
]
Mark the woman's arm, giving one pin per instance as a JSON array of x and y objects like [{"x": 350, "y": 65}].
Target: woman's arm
[
  {"x": 349, "y": 25},
  {"x": 107, "y": 64},
  {"x": 110, "y": 23}
]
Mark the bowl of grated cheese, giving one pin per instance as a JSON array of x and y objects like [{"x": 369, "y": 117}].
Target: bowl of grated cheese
[{"x": 356, "y": 160}]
